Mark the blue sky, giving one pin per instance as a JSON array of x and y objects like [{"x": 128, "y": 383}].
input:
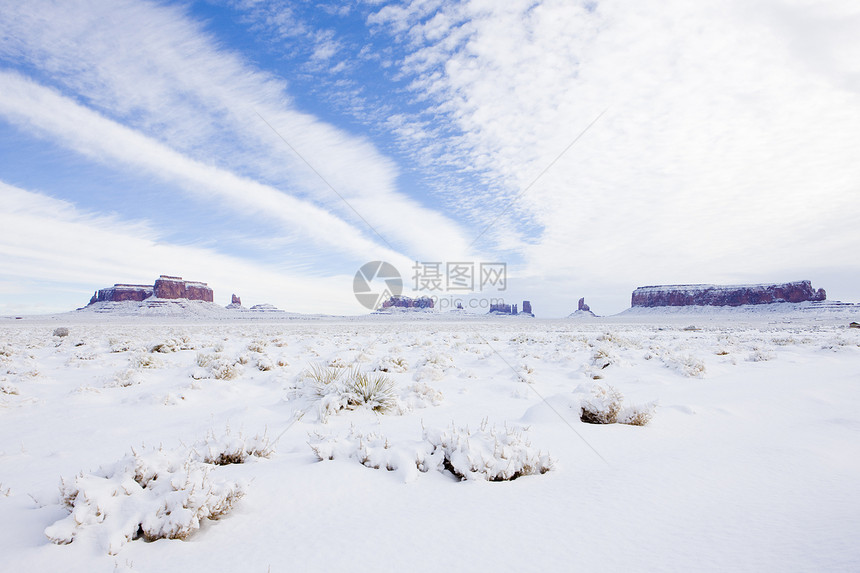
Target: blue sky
[{"x": 272, "y": 148}]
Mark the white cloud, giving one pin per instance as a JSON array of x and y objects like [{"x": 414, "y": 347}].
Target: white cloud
[
  {"x": 721, "y": 154},
  {"x": 83, "y": 130},
  {"x": 49, "y": 243},
  {"x": 156, "y": 71}
]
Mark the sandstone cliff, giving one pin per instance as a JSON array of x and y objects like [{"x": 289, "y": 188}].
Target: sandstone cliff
[
  {"x": 166, "y": 287},
  {"x": 725, "y": 295}
]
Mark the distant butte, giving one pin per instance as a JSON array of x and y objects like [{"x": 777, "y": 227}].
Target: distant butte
[
  {"x": 725, "y": 295},
  {"x": 165, "y": 287}
]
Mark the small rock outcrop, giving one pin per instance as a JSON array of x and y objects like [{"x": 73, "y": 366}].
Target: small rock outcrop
[
  {"x": 166, "y": 287},
  {"x": 502, "y": 308},
  {"x": 235, "y": 302},
  {"x": 399, "y": 301},
  {"x": 582, "y": 306},
  {"x": 725, "y": 295}
]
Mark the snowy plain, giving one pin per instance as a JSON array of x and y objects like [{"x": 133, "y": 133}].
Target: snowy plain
[{"x": 750, "y": 462}]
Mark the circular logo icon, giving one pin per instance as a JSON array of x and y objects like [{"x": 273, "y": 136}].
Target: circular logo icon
[{"x": 375, "y": 282}]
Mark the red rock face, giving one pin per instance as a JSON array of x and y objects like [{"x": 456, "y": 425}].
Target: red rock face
[
  {"x": 120, "y": 292},
  {"x": 169, "y": 287},
  {"x": 714, "y": 295},
  {"x": 198, "y": 291},
  {"x": 527, "y": 306},
  {"x": 165, "y": 287},
  {"x": 236, "y": 300}
]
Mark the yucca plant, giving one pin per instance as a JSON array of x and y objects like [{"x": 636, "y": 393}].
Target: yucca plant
[{"x": 374, "y": 390}]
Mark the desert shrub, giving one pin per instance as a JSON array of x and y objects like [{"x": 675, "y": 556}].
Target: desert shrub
[
  {"x": 637, "y": 415},
  {"x": 123, "y": 379},
  {"x": 487, "y": 454},
  {"x": 61, "y": 332},
  {"x": 215, "y": 365},
  {"x": 232, "y": 449},
  {"x": 143, "y": 360},
  {"x": 372, "y": 450},
  {"x": 154, "y": 494},
  {"x": 225, "y": 369},
  {"x": 760, "y": 355},
  {"x": 348, "y": 389},
  {"x": 605, "y": 406},
  {"x": 602, "y": 407},
  {"x": 257, "y": 345},
  {"x": 392, "y": 364},
  {"x": 322, "y": 379},
  {"x": 602, "y": 357},
  {"x": 375, "y": 391},
  {"x": 686, "y": 364},
  {"x": 421, "y": 395},
  {"x": 264, "y": 364},
  {"x": 8, "y": 388},
  {"x": 172, "y": 345},
  {"x": 119, "y": 345}
]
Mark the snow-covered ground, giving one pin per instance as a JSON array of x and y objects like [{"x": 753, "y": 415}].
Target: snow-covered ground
[{"x": 370, "y": 444}]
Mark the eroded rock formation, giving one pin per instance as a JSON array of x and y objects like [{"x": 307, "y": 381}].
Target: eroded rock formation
[
  {"x": 120, "y": 292},
  {"x": 582, "y": 306},
  {"x": 165, "y": 287},
  {"x": 502, "y": 308},
  {"x": 407, "y": 302},
  {"x": 725, "y": 295}
]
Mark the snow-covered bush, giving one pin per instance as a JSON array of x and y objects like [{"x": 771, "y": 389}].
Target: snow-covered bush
[
  {"x": 372, "y": 449},
  {"x": 61, "y": 331},
  {"x": 602, "y": 357},
  {"x": 602, "y": 407},
  {"x": 487, "y": 454},
  {"x": 605, "y": 406},
  {"x": 421, "y": 395},
  {"x": 322, "y": 379},
  {"x": 166, "y": 347},
  {"x": 264, "y": 364},
  {"x": 216, "y": 366},
  {"x": 760, "y": 355},
  {"x": 153, "y": 494},
  {"x": 8, "y": 388},
  {"x": 393, "y": 364},
  {"x": 348, "y": 389},
  {"x": 123, "y": 379},
  {"x": 686, "y": 364},
  {"x": 375, "y": 391},
  {"x": 257, "y": 345},
  {"x": 232, "y": 449},
  {"x": 143, "y": 360},
  {"x": 119, "y": 345}
]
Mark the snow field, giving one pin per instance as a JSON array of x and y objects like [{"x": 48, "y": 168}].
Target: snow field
[{"x": 746, "y": 463}]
